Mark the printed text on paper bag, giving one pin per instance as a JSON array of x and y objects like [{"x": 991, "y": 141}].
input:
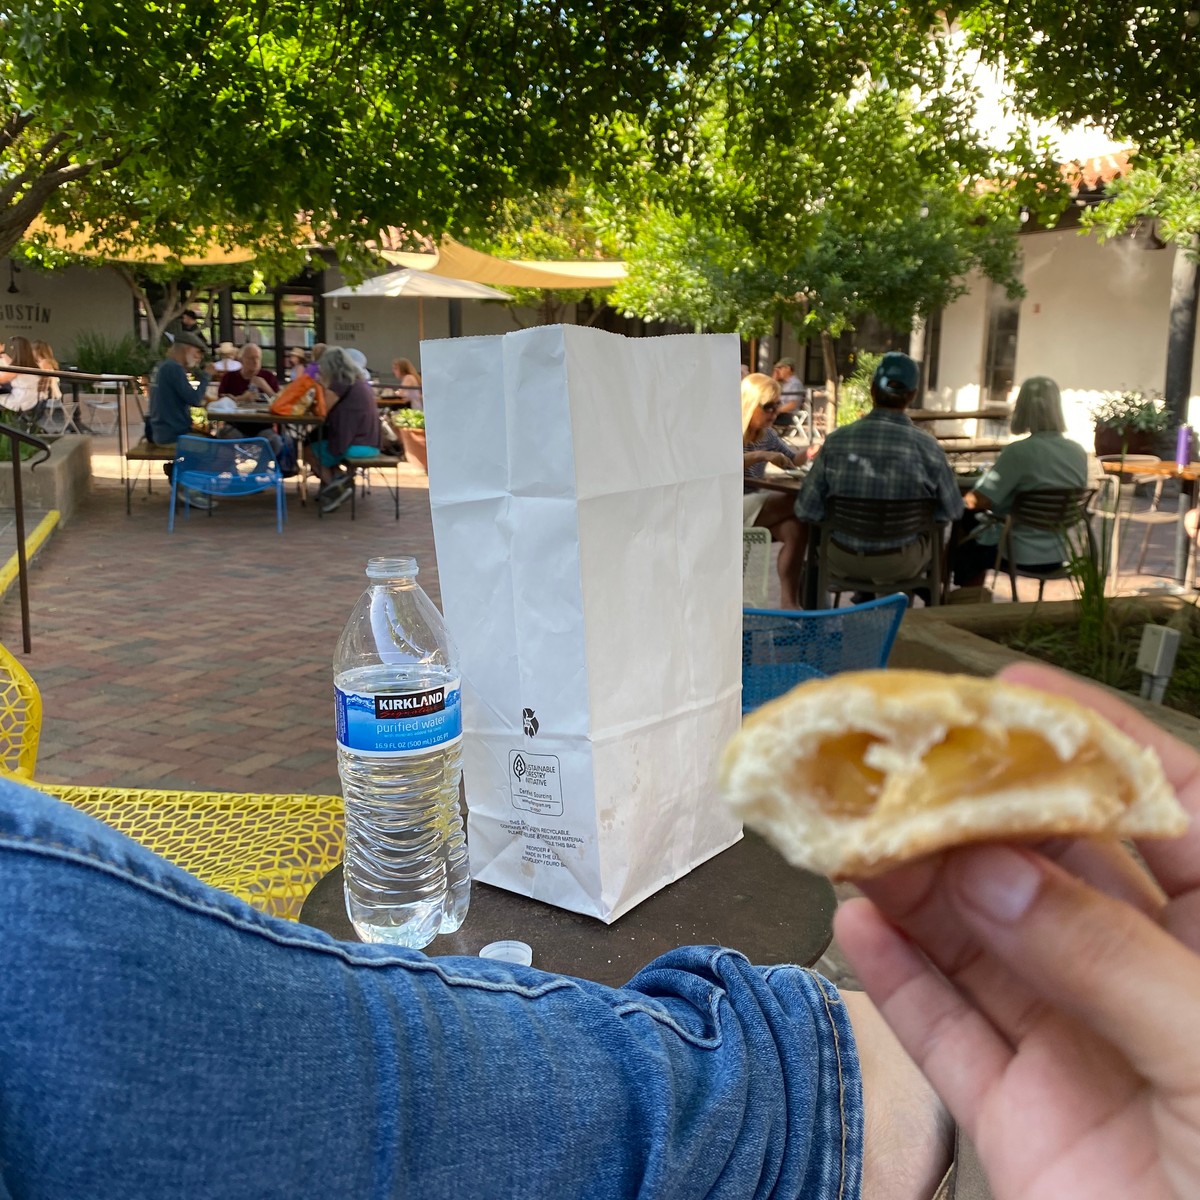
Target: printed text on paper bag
[{"x": 535, "y": 783}]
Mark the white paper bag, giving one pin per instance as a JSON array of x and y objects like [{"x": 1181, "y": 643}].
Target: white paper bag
[{"x": 587, "y": 513}]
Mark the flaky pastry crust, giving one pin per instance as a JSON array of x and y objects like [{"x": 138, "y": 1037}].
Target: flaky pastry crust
[{"x": 851, "y": 775}]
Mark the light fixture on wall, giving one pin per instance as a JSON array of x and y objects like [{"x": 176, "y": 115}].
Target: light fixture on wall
[{"x": 13, "y": 272}]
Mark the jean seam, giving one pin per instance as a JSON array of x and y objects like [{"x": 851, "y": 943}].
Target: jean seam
[
  {"x": 827, "y": 1001},
  {"x": 62, "y": 850}
]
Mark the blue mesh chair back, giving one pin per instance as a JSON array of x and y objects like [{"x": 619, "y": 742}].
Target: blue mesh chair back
[
  {"x": 226, "y": 467},
  {"x": 782, "y": 649}
]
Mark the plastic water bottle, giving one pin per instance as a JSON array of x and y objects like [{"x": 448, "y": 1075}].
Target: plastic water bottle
[{"x": 399, "y": 736}]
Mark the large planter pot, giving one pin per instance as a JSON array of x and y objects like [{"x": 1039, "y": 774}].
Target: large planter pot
[
  {"x": 960, "y": 640},
  {"x": 1126, "y": 441},
  {"x": 413, "y": 441}
]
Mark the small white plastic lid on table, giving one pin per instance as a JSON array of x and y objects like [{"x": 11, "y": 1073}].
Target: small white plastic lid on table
[{"x": 520, "y": 953}]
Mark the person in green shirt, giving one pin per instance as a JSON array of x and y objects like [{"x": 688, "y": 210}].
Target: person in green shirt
[{"x": 1045, "y": 459}]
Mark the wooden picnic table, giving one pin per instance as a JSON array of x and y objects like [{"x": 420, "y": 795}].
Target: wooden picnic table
[{"x": 995, "y": 413}]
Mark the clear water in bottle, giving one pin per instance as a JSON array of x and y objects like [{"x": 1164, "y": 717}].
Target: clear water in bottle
[{"x": 399, "y": 732}]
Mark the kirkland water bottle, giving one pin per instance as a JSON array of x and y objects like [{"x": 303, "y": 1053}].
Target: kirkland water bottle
[{"x": 399, "y": 735}]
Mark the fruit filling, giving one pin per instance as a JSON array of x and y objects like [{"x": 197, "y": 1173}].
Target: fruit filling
[{"x": 967, "y": 761}]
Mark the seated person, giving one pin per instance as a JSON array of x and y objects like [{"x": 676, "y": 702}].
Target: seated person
[
  {"x": 409, "y": 379},
  {"x": 172, "y": 398},
  {"x": 882, "y": 456},
  {"x": 159, "y": 1038},
  {"x": 792, "y": 393},
  {"x": 23, "y": 395},
  {"x": 252, "y": 381},
  {"x": 351, "y": 429},
  {"x": 296, "y": 361},
  {"x": 1045, "y": 459},
  {"x": 771, "y": 510}
]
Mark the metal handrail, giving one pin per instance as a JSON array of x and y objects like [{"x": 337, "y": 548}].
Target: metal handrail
[
  {"x": 16, "y": 436},
  {"x": 74, "y": 378},
  {"x": 78, "y": 376}
]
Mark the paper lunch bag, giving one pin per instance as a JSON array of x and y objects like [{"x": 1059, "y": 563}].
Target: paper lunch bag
[{"x": 587, "y": 514}]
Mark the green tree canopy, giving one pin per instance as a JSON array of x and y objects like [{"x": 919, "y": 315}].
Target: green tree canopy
[
  {"x": 884, "y": 207},
  {"x": 1131, "y": 66},
  {"x": 330, "y": 117}
]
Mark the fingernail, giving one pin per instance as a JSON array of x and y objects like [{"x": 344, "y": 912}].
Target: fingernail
[{"x": 999, "y": 882}]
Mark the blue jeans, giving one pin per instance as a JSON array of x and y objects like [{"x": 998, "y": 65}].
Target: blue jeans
[{"x": 160, "y": 1039}]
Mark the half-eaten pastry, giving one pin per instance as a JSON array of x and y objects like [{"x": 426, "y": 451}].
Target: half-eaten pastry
[{"x": 849, "y": 776}]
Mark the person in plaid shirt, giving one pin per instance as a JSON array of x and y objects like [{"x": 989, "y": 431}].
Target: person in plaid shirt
[{"x": 882, "y": 456}]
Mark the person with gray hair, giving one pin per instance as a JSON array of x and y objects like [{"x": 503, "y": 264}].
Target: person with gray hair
[
  {"x": 1044, "y": 459},
  {"x": 351, "y": 429}
]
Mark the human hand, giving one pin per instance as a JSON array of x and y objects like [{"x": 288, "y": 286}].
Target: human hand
[
  {"x": 1049, "y": 995},
  {"x": 778, "y": 459}
]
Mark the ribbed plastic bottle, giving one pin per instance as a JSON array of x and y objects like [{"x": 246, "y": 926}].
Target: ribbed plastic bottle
[{"x": 399, "y": 739}]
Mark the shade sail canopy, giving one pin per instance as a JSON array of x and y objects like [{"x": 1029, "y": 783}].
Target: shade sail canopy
[
  {"x": 87, "y": 245},
  {"x": 419, "y": 285},
  {"x": 457, "y": 261}
]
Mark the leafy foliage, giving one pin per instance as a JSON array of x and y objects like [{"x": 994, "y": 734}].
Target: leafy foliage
[
  {"x": 172, "y": 124},
  {"x": 1132, "y": 410},
  {"x": 879, "y": 201},
  {"x": 1160, "y": 194},
  {"x": 100, "y": 354},
  {"x": 558, "y": 224},
  {"x": 854, "y": 399},
  {"x": 408, "y": 418},
  {"x": 1133, "y": 67}
]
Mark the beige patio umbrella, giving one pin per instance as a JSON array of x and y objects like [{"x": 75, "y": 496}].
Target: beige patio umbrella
[
  {"x": 457, "y": 261},
  {"x": 418, "y": 285}
]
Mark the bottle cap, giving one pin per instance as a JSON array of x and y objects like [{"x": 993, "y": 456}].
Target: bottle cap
[
  {"x": 391, "y": 568},
  {"x": 520, "y": 953}
]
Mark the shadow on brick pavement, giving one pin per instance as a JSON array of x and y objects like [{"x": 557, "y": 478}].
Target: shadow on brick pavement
[{"x": 202, "y": 658}]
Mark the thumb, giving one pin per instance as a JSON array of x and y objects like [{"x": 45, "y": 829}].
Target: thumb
[{"x": 1111, "y": 967}]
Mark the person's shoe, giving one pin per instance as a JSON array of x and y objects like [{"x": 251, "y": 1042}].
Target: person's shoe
[
  {"x": 335, "y": 499},
  {"x": 195, "y": 499},
  {"x": 328, "y": 489}
]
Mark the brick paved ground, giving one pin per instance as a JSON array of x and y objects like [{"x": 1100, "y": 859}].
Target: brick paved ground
[{"x": 203, "y": 659}]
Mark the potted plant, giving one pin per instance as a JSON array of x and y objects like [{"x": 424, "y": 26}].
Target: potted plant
[
  {"x": 1129, "y": 422},
  {"x": 409, "y": 423}
]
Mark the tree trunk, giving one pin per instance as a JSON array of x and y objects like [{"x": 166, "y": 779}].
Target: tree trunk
[
  {"x": 829, "y": 356},
  {"x": 916, "y": 351},
  {"x": 1181, "y": 339}
]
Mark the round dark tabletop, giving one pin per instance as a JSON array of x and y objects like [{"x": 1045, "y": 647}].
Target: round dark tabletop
[{"x": 746, "y": 898}]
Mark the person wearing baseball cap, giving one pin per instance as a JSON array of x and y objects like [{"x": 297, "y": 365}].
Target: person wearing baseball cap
[
  {"x": 791, "y": 391},
  {"x": 881, "y": 456}
]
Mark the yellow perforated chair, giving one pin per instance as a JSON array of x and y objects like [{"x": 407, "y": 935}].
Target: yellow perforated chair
[
  {"x": 20, "y": 718},
  {"x": 269, "y": 850}
]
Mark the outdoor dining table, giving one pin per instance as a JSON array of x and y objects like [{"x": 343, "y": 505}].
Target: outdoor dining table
[
  {"x": 746, "y": 898},
  {"x": 997, "y": 413},
  {"x": 1187, "y": 477}
]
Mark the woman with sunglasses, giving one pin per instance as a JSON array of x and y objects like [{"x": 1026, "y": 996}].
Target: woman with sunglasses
[{"x": 772, "y": 510}]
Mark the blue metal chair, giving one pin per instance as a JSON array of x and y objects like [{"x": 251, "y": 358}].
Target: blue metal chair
[
  {"x": 225, "y": 467},
  {"x": 782, "y": 649}
]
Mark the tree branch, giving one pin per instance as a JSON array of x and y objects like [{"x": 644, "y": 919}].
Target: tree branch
[{"x": 13, "y": 128}]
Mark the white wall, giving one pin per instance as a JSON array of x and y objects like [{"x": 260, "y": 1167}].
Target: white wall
[
  {"x": 963, "y": 347},
  {"x": 56, "y": 306}
]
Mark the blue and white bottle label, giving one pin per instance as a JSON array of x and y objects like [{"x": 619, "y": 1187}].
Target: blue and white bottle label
[{"x": 392, "y": 724}]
